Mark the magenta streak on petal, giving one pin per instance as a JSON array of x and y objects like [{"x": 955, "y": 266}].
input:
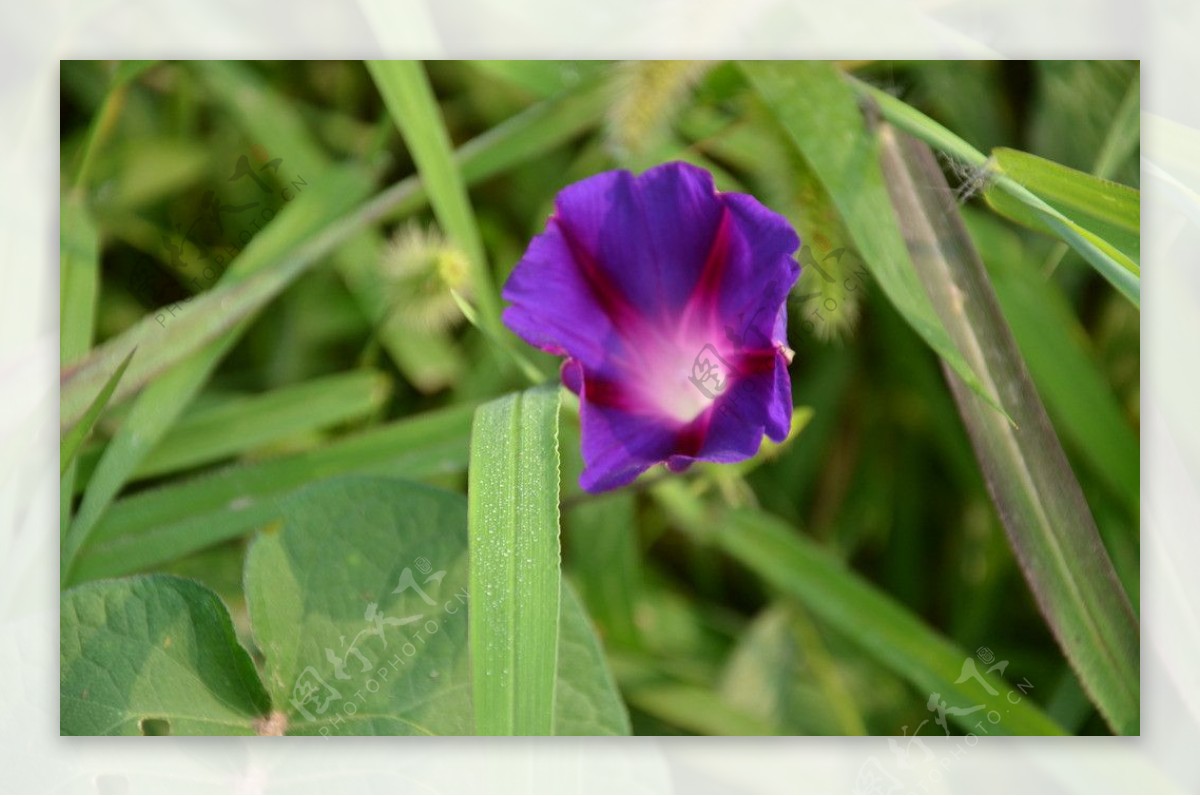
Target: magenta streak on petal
[
  {"x": 703, "y": 299},
  {"x": 624, "y": 316},
  {"x": 690, "y": 439},
  {"x": 610, "y": 394},
  {"x": 755, "y": 360}
]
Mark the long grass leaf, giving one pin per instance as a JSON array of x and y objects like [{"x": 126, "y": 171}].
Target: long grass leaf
[
  {"x": 75, "y": 437},
  {"x": 512, "y": 518},
  {"x": 1115, "y": 267},
  {"x": 797, "y": 566},
  {"x": 409, "y": 97},
  {"x": 427, "y": 358},
  {"x": 1048, "y": 522},
  {"x": 236, "y": 425},
  {"x": 271, "y": 261},
  {"x": 1055, "y": 346},
  {"x": 79, "y": 287},
  {"x": 160, "y": 525}
]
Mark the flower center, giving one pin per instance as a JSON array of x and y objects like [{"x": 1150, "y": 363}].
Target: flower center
[{"x": 685, "y": 376}]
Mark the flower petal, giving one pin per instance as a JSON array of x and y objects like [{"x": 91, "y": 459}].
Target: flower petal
[
  {"x": 668, "y": 300},
  {"x": 648, "y": 236}
]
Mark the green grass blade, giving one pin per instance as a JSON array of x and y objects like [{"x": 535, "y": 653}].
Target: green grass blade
[
  {"x": 409, "y": 97},
  {"x": 1043, "y": 509},
  {"x": 272, "y": 260},
  {"x": 427, "y": 358},
  {"x": 527, "y": 135},
  {"x": 105, "y": 120},
  {"x": 289, "y": 246},
  {"x": 160, "y": 525},
  {"x": 74, "y": 438},
  {"x": 79, "y": 286},
  {"x": 689, "y": 707},
  {"x": 602, "y": 540},
  {"x": 514, "y": 555},
  {"x": 541, "y": 78},
  {"x": 1016, "y": 202},
  {"x": 245, "y": 423},
  {"x": 896, "y": 638},
  {"x": 819, "y": 111},
  {"x": 1099, "y": 205},
  {"x": 1055, "y": 347},
  {"x": 1124, "y": 134},
  {"x": 79, "y": 272},
  {"x": 1121, "y": 272},
  {"x": 799, "y": 567}
]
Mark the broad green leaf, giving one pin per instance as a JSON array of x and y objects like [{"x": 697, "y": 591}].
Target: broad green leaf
[
  {"x": 245, "y": 423},
  {"x": 819, "y": 111},
  {"x": 160, "y": 525},
  {"x": 409, "y": 97},
  {"x": 205, "y": 329},
  {"x": 154, "y": 655},
  {"x": 75, "y": 437},
  {"x": 1121, "y": 272},
  {"x": 1036, "y": 495},
  {"x": 360, "y": 603},
  {"x": 513, "y": 519}
]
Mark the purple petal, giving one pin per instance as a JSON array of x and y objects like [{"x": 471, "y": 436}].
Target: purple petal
[{"x": 668, "y": 300}]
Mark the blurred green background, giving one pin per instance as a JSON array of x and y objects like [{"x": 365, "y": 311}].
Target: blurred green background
[{"x": 184, "y": 165}]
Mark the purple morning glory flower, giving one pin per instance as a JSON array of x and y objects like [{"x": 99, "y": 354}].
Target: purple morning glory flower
[{"x": 668, "y": 300}]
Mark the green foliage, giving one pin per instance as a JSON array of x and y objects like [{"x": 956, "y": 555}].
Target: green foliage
[
  {"x": 309, "y": 417},
  {"x": 818, "y": 110},
  {"x": 1030, "y": 480},
  {"x": 513, "y": 497},
  {"x": 1016, "y": 200},
  {"x": 358, "y": 602},
  {"x": 154, "y": 655}
]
